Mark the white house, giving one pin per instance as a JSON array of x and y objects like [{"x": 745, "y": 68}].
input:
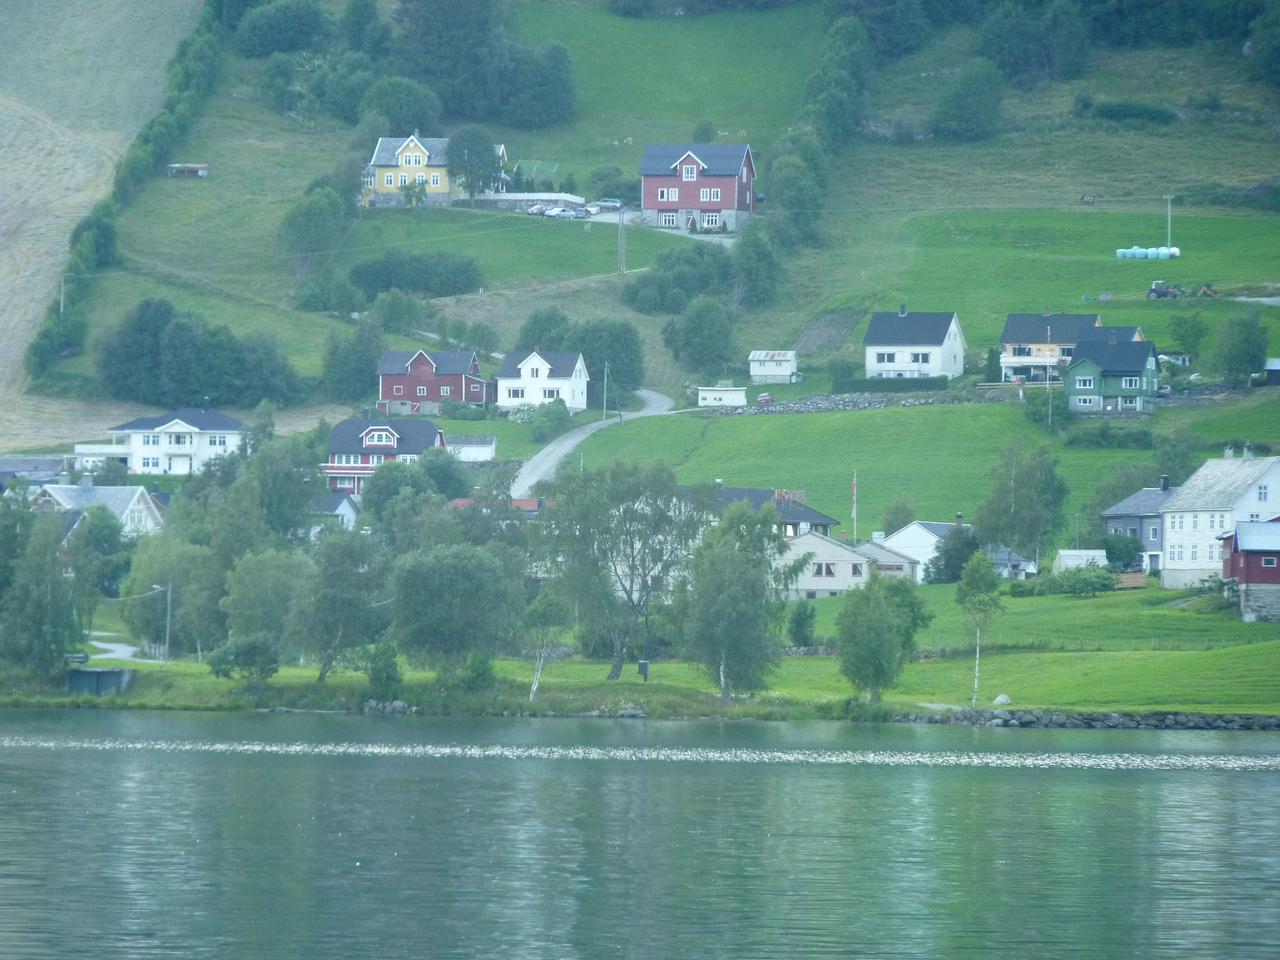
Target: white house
[
  {"x": 725, "y": 395},
  {"x": 134, "y": 507},
  {"x": 907, "y": 344},
  {"x": 333, "y": 508},
  {"x": 835, "y": 567},
  {"x": 540, "y": 376},
  {"x": 920, "y": 539},
  {"x": 179, "y": 442},
  {"x": 772, "y": 366},
  {"x": 1078, "y": 559},
  {"x": 1214, "y": 499},
  {"x": 473, "y": 448}
]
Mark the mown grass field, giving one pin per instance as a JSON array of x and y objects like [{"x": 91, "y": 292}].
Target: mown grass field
[
  {"x": 1234, "y": 679},
  {"x": 1133, "y": 620}
]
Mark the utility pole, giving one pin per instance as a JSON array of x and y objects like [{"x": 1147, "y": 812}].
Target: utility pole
[
  {"x": 168, "y": 614},
  {"x": 1168, "y": 219},
  {"x": 622, "y": 243},
  {"x": 604, "y": 406}
]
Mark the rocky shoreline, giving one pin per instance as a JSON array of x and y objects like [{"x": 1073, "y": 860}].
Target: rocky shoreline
[{"x": 1056, "y": 719}]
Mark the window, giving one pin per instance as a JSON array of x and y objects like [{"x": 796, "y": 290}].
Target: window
[
  {"x": 1195, "y": 521},
  {"x": 1020, "y": 351},
  {"x": 673, "y": 194},
  {"x": 346, "y": 483},
  {"x": 420, "y": 178},
  {"x": 855, "y": 569},
  {"x": 366, "y": 180},
  {"x": 1085, "y": 401},
  {"x": 1084, "y": 383},
  {"x": 1155, "y": 534},
  {"x": 218, "y": 440},
  {"x": 919, "y": 358},
  {"x": 1129, "y": 403},
  {"x": 1181, "y": 519},
  {"x": 710, "y": 220},
  {"x": 389, "y": 180},
  {"x": 1262, "y": 493},
  {"x": 515, "y": 393},
  {"x": 422, "y": 391},
  {"x": 1133, "y": 532},
  {"x": 1193, "y": 552},
  {"x": 377, "y": 459},
  {"x": 404, "y": 179},
  {"x": 662, "y": 193},
  {"x": 435, "y": 179},
  {"x": 446, "y": 391},
  {"x": 667, "y": 220},
  {"x": 475, "y": 388},
  {"x": 550, "y": 394},
  {"x": 690, "y": 172},
  {"x": 705, "y": 194},
  {"x": 151, "y": 439},
  {"x": 1065, "y": 351},
  {"x": 397, "y": 390},
  {"x": 378, "y": 438},
  {"x": 885, "y": 357},
  {"x": 1268, "y": 561},
  {"x": 534, "y": 373},
  {"x": 715, "y": 194},
  {"x": 1129, "y": 383},
  {"x": 824, "y": 569},
  {"x": 409, "y": 458},
  {"x": 178, "y": 440},
  {"x": 150, "y": 462}
]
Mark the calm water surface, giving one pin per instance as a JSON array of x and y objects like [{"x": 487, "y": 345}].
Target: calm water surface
[{"x": 260, "y": 839}]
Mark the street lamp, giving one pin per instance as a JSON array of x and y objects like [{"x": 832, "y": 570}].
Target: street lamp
[{"x": 168, "y": 614}]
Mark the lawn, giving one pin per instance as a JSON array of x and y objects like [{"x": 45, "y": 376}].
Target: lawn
[
  {"x": 1133, "y": 620},
  {"x": 939, "y": 457},
  {"x": 1244, "y": 679}
]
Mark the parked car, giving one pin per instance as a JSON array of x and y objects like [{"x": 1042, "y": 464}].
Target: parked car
[
  {"x": 764, "y": 400},
  {"x": 609, "y": 203},
  {"x": 581, "y": 213},
  {"x": 1164, "y": 390},
  {"x": 560, "y": 213},
  {"x": 593, "y": 208},
  {"x": 537, "y": 210}
]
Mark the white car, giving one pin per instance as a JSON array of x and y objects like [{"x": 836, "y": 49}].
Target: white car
[
  {"x": 557, "y": 212},
  {"x": 593, "y": 208}
]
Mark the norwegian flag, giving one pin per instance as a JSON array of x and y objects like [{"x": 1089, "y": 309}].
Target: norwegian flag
[{"x": 855, "y": 495}]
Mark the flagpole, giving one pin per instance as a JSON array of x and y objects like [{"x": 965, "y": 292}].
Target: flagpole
[{"x": 855, "y": 506}]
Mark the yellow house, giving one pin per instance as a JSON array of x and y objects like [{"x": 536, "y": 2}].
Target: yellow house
[{"x": 411, "y": 164}]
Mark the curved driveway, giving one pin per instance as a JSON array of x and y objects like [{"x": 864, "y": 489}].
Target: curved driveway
[{"x": 543, "y": 464}]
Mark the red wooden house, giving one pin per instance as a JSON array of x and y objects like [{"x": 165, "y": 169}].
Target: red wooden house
[
  {"x": 710, "y": 186},
  {"x": 359, "y": 447},
  {"x": 409, "y": 378},
  {"x": 1251, "y": 554}
]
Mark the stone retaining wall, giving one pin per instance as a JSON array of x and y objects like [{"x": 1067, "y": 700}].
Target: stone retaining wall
[{"x": 1096, "y": 721}]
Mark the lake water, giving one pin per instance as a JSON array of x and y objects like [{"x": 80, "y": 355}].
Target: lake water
[{"x": 154, "y": 835}]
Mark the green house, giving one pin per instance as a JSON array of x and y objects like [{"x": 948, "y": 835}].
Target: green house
[{"x": 1107, "y": 376}]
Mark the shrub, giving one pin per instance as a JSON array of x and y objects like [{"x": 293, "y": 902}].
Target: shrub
[
  {"x": 254, "y": 659},
  {"x": 436, "y": 275},
  {"x": 549, "y": 421},
  {"x": 378, "y": 662},
  {"x": 970, "y": 109},
  {"x": 1124, "y": 111},
  {"x": 398, "y": 312},
  {"x": 282, "y": 25},
  {"x": 1023, "y": 588},
  {"x": 1104, "y": 435}
]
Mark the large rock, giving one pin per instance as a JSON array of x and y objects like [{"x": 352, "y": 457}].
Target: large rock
[{"x": 1002, "y": 700}]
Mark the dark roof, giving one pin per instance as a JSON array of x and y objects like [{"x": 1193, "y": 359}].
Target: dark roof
[
  {"x": 200, "y": 419},
  {"x": 1145, "y": 503},
  {"x": 1124, "y": 356},
  {"x": 472, "y": 439},
  {"x": 998, "y": 554},
  {"x": 384, "y": 154},
  {"x": 1055, "y": 328},
  {"x": 720, "y": 159},
  {"x": 562, "y": 363},
  {"x": 1109, "y": 333},
  {"x": 447, "y": 362},
  {"x": 789, "y": 510},
  {"x": 892, "y": 329},
  {"x": 416, "y": 436}
]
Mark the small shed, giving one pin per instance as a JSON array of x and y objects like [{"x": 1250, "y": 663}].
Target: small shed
[
  {"x": 1272, "y": 372},
  {"x": 772, "y": 366},
  {"x": 96, "y": 682},
  {"x": 724, "y": 395},
  {"x": 472, "y": 448},
  {"x": 1075, "y": 559}
]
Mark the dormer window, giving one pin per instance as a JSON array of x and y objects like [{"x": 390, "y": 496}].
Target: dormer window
[
  {"x": 690, "y": 171},
  {"x": 379, "y": 438},
  {"x": 534, "y": 373}
]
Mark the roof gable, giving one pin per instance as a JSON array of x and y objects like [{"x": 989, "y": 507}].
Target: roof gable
[
  {"x": 412, "y": 436},
  {"x": 561, "y": 364},
  {"x": 908, "y": 329},
  {"x": 717, "y": 159},
  {"x": 1125, "y": 356},
  {"x": 685, "y": 156},
  {"x": 192, "y": 417},
  {"x": 1219, "y": 483},
  {"x": 1144, "y": 502},
  {"x": 1047, "y": 328}
]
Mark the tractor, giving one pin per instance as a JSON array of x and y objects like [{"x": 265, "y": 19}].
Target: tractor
[{"x": 1165, "y": 291}]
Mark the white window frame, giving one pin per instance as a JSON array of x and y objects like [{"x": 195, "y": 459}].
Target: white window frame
[
  {"x": 422, "y": 391},
  {"x": 1085, "y": 401},
  {"x": 1269, "y": 562},
  {"x": 673, "y": 194},
  {"x": 446, "y": 391},
  {"x": 1194, "y": 550},
  {"x": 435, "y": 179},
  {"x": 711, "y": 220},
  {"x": 366, "y": 180},
  {"x": 1130, "y": 383},
  {"x": 715, "y": 194},
  {"x": 1084, "y": 383},
  {"x": 420, "y": 178},
  {"x": 550, "y": 393},
  {"x": 689, "y": 171},
  {"x": 920, "y": 358},
  {"x": 404, "y": 179},
  {"x": 515, "y": 393},
  {"x": 1263, "y": 493},
  {"x": 704, "y": 195},
  {"x": 886, "y": 357},
  {"x": 397, "y": 390},
  {"x": 389, "y": 179},
  {"x": 667, "y": 219}
]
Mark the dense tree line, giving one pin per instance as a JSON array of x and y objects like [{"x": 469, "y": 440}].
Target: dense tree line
[
  {"x": 430, "y": 274},
  {"x": 160, "y": 357}
]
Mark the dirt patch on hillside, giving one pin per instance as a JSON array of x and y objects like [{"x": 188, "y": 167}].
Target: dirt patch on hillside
[{"x": 828, "y": 331}]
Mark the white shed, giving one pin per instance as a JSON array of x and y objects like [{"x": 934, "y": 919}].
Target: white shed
[
  {"x": 772, "y": 366},
  {"x": 726, "y": 395},
  {"x": 472, "y": 448},
  {"x": 1075, "y": 559}
]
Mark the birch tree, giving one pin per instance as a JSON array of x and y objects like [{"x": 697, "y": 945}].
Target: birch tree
[{"x": 978, "y": 594}]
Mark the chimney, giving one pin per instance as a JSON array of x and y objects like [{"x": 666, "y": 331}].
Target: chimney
[
  {"x": 902, "y": 310},
  {"x": 1164, "y": 482},
  {"x": 877, "y": 536},
  {"x": 1248, "y": 451},
  {"x": 1229, "y": 452}
]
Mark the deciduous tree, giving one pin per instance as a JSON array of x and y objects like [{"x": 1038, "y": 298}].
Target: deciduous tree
[
  {"x": 978, "y": 594},
  {"x": 1027, "y": 506},
  {"x": 875, "y": 632},
  {"x": 473, "y": 163},
  {"x": 1242, "y": 348}
]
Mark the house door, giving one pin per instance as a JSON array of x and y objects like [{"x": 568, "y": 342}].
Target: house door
[{"x": 1153, "y": 563}]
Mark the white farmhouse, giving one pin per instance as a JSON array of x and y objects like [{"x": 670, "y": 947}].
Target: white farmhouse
[
  {"x": 134, "y": 507},
  {"x": 920, "y": 540},
  {"x": 1214, "y": 499},
  {"x": 835, "y": 567},
  {"x": 725, "y": 395},
  {"x": 179, "y": 442},
  {"x": 540, "y": 376},
  {"x": 906, "y": 344},
  {"x": 772, "y": 366}
]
